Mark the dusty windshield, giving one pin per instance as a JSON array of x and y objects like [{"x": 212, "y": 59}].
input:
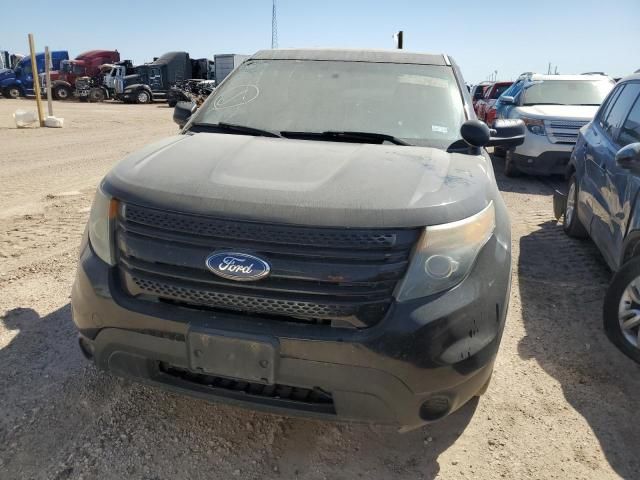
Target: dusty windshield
[
  {"x": 420, "y": 104},
  {"x": 567, "y": 92}
]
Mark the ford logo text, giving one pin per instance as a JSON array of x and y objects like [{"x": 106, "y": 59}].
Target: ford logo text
[{"x": 237, "y": 266}]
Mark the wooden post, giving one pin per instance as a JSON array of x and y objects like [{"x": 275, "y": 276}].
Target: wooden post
[
  {"x": 47, "y": 70},
  {"x": 36, "y": 79}
]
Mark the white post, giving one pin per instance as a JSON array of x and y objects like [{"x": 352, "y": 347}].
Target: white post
[{"x": 47, "y": 69}]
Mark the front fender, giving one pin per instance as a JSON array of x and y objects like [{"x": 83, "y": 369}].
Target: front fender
[{"x": 55, "y": 83}]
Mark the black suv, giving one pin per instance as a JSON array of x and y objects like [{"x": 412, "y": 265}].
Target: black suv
[
  {"x": 324, "y": 237},
  {"x": 602, "y": 203}
]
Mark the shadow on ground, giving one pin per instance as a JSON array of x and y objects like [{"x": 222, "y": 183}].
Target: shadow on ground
[
  {"x": 62, "y": 418},
  {"x": 562, "y": 285}
]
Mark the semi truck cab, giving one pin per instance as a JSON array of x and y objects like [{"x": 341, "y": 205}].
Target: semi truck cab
[
  {"x": 87, "y": 64},
  {"x": 18, "y": 81}
]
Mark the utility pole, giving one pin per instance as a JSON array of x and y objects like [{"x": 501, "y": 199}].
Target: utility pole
[
  {"x": 36, "y": 78},
  {"x": 274, "y": 27},
  {"x": 399, "y": 39}
]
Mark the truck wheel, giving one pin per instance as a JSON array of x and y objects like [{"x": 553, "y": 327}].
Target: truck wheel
[
  {"x": 143, "y": 97},
  {"x": 510, "y": 169},
  {"x": 172, "y": 103},
  {"x": 622, "y": 310},
  {"x": 96, "y": 95},
  {"x": 571, "y": 223},
  {"x": 61, "y": 92},
  {"x": 11, "y": 92}
]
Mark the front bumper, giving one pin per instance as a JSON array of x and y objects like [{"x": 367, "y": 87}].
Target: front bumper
[
  {"x": 425, "y": 360},
  {"x": 539, "y": 156}
]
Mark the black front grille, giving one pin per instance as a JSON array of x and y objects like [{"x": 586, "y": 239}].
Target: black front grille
[
  {"x": 312, "y": 399},
  {"x": 321, "y": 275}
]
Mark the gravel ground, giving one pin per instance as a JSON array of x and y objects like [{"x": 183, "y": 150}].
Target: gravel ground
[{"x": 563, "y": 402}]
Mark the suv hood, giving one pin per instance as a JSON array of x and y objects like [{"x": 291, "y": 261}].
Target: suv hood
[
  {"x": 304, "y": 182},
  {"x": 565, "y": 112}
]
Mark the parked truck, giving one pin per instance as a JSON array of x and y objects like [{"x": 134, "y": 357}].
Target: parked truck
[
  {"x": 102, "y": 86},
  {"x": 87, "y": 64},
  {"x": 225, "y": 64},
  {"x": 18, "y": 81},
  {"x": 152, "y": 81}
]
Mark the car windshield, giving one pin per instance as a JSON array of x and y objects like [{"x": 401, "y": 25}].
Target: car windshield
[
  {"x": 499, "y": 90},
  {"x": 567, "y": 92},
  {"x": 420, "y": 104}
]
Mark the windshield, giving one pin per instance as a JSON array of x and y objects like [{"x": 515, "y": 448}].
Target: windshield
[
  {"x": 499, "y": 90},
  {"x": 420, "y": 104},
  {"x": 567, "y": 92}
]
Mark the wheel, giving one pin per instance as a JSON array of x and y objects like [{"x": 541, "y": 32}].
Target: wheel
[
  {"x": 143, "y": 97},
  {"x": 570, "y": 221},
  {"x": 11, "y": 92},
  {"x": 96, "y": 95},
  {"x": 172, "y": 102},
  {"x": 622, "y": 310},
  {"x": 62, "y": 92},
  {"x": 510, "y": 169}
]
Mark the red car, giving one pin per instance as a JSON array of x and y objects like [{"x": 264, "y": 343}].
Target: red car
[
  {"x": 478, "y": 91},
  {"x": 484, "y": 107}
]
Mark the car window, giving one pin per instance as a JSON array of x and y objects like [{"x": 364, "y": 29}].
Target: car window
[
  {"x": 604, "y": 111},
  {"x": 421, "y": 104},
  {"x": 567, "y": 92},
  {"x": 613, "y": 121},
  {"x": 498, "y": 90},
  {"x": 630, "y": 131}
]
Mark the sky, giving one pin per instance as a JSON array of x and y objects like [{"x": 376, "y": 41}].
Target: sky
[{"x": 483, "y": 37}]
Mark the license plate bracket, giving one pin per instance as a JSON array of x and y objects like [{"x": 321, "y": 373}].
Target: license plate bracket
[{"x": 240, "y": 356}]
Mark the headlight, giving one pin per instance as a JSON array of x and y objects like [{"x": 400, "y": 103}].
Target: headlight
[
  {"x": 534, "y": 125},
  {"x": 103, "y": 213},
  {"x": 445, "y": 254}
]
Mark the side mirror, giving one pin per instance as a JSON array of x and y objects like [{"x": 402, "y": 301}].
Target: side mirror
[
  {"x": 183, "y": 112},
  {"x": 475, "y": 133},
  {"x": 508, "y": 100},
  {"x": 629, "y": 157},
  {"x": 507, "y": 133}
]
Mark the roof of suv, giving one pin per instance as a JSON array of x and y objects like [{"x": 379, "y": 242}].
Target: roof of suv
[{"x": 353, "y": 55}]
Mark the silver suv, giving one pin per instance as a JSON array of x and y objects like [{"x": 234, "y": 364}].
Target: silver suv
[{"x": 553, "y": 108}]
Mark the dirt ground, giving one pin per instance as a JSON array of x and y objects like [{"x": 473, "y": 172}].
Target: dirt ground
[{"x": 563, "y": 402}]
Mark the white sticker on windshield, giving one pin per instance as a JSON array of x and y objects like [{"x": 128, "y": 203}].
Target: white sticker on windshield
[{"x": 439, "y": 129}]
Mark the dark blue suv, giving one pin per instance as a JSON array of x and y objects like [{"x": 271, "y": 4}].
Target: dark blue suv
[{"x": 603, "y": 203}]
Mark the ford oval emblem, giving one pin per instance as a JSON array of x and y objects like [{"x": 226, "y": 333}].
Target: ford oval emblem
[{"x": 241, "y": 267}]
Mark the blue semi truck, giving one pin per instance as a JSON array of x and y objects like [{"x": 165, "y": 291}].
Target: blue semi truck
[{"x": 18, "y": 81}]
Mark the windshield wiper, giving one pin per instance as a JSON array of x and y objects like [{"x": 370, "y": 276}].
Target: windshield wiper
[
  {"x": 347, "y": 135},
  {"x": 231, "y": 127}
]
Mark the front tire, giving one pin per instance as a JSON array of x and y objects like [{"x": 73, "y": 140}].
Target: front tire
[
  {"x": 96, "y": 95},
  {"x": 621, "y": 313},
  {"x": 62, "y": 92},
  {"x": 510, "y": 169},
  {"x": 571, "y": 223},
  {"x": 11, "y": 92},
  {"x": 143, "y": 97}
]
